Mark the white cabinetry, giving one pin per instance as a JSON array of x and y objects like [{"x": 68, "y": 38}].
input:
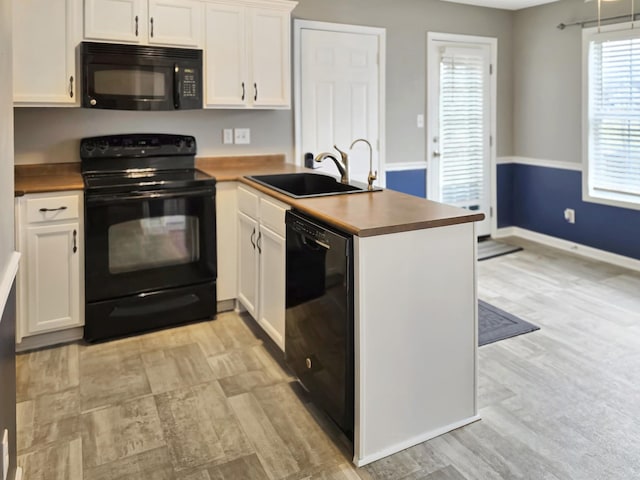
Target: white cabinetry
[
  {"x": 261, "y": 260},
  {"x": 51, "y": 286},
  {"x": 247, "y": 53},
  {"x": 162, "y": 22},
  {"x": 45, "y": 35}
]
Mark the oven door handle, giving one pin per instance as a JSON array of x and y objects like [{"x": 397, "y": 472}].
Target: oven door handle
[{"x": 150, "y": 195}]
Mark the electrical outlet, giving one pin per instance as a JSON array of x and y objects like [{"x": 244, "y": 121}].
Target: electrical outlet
[
  {"x": 420, "y": 121},
  {"x": 242, "y": 136},
  {"x": 227, "y": 136},
  {"x": 570, "y": 215},
  {"x": 5, "y": 454}
]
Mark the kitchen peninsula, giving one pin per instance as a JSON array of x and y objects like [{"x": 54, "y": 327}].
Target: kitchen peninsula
[{"x": 415, "y": 302}]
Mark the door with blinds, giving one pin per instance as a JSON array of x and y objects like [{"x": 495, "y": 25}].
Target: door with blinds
[{"x": 460, "y": 139}]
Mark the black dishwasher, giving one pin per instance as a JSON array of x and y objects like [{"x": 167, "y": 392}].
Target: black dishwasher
[{"x": 319, "y": 314}]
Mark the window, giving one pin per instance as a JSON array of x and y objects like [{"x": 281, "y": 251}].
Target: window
[{"x": 612, "y": 123}]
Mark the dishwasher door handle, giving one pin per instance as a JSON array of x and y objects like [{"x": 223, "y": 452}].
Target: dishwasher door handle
[{"x": 307, "y": 242}]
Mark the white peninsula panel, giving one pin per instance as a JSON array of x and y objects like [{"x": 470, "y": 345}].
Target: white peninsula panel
[{"x": 416, "y": 338}]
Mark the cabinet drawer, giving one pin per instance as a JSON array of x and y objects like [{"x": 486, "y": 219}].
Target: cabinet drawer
[
  {"x": 248, "y": 202},
  {"x": 272, "y": 215},
  {"x": 51, "y": 209}
]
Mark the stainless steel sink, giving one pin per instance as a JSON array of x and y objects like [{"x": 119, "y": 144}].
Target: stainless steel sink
[{"x": 305, "y": 185}]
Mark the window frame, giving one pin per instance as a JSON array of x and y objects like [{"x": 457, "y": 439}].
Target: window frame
[{"x": 589, "y": 194}]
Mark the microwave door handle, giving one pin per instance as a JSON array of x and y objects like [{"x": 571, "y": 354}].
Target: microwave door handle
[{"x": 176, "y": 86}]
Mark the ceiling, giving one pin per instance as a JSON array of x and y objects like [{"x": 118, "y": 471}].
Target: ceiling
[{"x": 504, "y": 4}]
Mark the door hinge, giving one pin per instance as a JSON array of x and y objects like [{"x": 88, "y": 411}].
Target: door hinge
[{"x": 491, "y": 69}]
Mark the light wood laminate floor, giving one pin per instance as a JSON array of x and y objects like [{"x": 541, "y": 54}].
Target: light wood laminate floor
[{"x": 208, "y": 402}]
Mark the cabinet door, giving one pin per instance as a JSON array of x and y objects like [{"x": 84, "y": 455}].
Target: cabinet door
[
  {"x": 175, "y": 22},
  {"x": 248, "y": 263},
  {"x": 53, "y": 277},
  {"x": 270, "y": 58},
  {"x": 272, "y": 249},
  {"x": 225, "y": 56},
  {"x": 115, "y": 20},
  {"x": 45, "y": 33}
]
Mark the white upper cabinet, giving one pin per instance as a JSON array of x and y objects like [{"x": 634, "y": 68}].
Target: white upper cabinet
[
  {"x": 45, "y": 35},
  {"x": 175, "y": 22},
  {"x": 161, "y": 22},
  {"x": 115, "y": 20},
  {"x": 225, "y": 60},
  {"x": 270, "y": 58},
  {"x": 247, "y": 54}
]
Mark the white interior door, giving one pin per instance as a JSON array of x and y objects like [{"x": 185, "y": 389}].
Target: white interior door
[
  {"x": 340, "y": 96},
  {"x": 460, "y": 137}
]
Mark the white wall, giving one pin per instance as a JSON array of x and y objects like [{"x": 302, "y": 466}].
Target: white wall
[
  {"x": 53, "y": 134},
  {"x": 6, "y": 140}
]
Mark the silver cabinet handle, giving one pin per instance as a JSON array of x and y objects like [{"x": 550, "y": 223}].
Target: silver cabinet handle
[
  {"x": 75, "y": 241},
  {"x": 255, "y": 96},
  {"x": 252, "y": 237},
  {"x": 136, "y": 25},
  {"x": 258, "y": 243},
  {"x": 53, "y": 209},
  {"x": 243, "y": 91},
  {"x": 151, "y": 27},
  {"x": 71, "y": 86}
]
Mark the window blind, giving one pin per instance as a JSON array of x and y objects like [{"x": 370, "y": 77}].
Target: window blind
[
  {"x": 614, "y": 113},
  {"x": 462, "y": 127}
]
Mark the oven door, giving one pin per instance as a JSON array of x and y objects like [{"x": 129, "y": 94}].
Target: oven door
[{"x": 148, "y": 241}]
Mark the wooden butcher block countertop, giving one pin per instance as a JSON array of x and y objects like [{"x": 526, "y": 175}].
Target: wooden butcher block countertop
[
  {"x": 363, "y": 214},
  {"x": 50, "y": 177}
]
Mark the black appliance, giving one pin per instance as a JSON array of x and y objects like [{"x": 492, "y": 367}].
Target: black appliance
[
  {"x": 319, "y": 317},
  {"x": 137, "y": 77},
  {"x": 150, "y": 234}
]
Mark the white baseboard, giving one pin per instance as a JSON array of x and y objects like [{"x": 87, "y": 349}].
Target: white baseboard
[
  {"x": 50, "y": 339},
  {"x": 577, "y": 248},
  {"x": 7, "y": 278},
  {"x": 360, "y": 462}
]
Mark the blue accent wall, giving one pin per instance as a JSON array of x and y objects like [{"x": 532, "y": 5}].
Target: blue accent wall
[
  {"x": 413, "y": 182},
  {"x": 534, "y": 198}
]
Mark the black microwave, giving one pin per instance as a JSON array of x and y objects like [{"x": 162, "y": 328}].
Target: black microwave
[{"x": 136, "y": 77}]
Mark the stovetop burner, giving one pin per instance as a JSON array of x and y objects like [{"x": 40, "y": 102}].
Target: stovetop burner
[
  {"x": 146, "y": 180},
  {"x": 140, "y": 162}
]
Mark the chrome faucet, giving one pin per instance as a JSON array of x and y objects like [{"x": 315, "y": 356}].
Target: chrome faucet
[
  {"x": 343, "y": 166},
  {"x": 372, "y": 176}
]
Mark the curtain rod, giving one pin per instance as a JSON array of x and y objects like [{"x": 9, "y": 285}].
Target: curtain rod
[{"x": 607, "y": 20}]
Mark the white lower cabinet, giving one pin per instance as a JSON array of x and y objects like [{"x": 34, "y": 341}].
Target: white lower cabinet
[
  {"x": 261, "y": 260},
  {"x": 248, "y": 263},
  {"x": 51, "y": 285}
]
